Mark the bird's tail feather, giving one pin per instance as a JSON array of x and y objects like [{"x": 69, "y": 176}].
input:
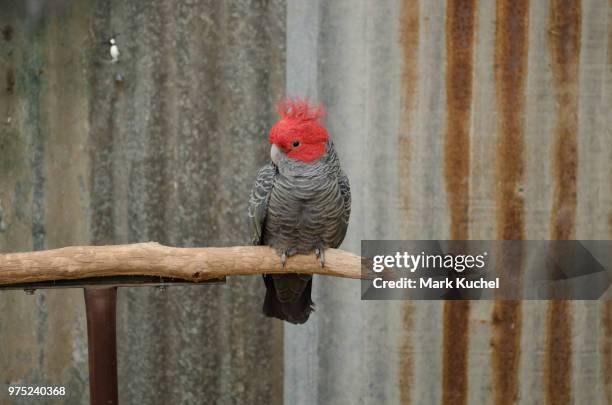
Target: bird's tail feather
[{"x": 288, "y": 297}]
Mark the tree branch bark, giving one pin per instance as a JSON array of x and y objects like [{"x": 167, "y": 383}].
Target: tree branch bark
[{"x": 153, "y": 259}]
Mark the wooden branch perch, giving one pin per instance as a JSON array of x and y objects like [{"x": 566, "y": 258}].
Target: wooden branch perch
[{"x": 153, "y": 259}]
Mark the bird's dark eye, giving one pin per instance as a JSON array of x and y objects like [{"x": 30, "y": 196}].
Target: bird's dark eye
[{"x": 296, "y": 144}]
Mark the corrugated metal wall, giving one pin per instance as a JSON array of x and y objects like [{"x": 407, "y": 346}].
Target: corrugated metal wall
[
  {"x": 167, "y": 154},
  {"x": 454, "y": 119},
  {"x": 459, "y": 119}
]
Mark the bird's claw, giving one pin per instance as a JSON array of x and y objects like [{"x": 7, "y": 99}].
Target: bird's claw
[
  {"x": 283, "y": 259},
  {"x": 320, "y": 252}
]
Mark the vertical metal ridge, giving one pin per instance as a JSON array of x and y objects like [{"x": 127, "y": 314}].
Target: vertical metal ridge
[
  {"x": 34, "y": 80},
  {"x": 460, "y": 20},
  {"x": 405, "y": 372},
  {"x": 507, "y": 319},
  {"x": 460, "y": 27},
  {"x": 511, "y": 53},
  {"x": 558, "y": 353},
  {"x": 456, "y": 351},
  {"x": 160, "y": 132},
  {"x": 564, "y": 36},
  {"x": 101, "y": 138},
  {"x": 409, "y": 43}
]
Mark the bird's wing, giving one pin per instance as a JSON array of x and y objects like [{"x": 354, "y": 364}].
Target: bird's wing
[
  {"x": 258, "y": 202},
  {"x": 345, "y": 191}
]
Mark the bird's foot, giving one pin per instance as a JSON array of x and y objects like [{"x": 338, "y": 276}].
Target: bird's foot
[
  {"x": 320, "y": 252},
  {"x": 287, "y": 253}
]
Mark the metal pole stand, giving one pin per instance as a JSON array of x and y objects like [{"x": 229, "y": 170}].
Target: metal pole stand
[
  {"x": 101, "y": 309},
  {"x": 100, "y": 306}
]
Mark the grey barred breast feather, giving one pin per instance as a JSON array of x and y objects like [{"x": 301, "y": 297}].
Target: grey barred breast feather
[{"x": 298, "y": 207}]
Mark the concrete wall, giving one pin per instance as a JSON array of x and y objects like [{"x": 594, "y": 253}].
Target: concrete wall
[{"x": 453, "y": 119}]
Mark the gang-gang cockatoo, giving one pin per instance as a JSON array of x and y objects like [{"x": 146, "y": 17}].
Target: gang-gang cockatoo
[{"x": 300, "y": 203}]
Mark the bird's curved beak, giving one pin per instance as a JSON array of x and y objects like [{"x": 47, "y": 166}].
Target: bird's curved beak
[{"x": 275, "y": 154}]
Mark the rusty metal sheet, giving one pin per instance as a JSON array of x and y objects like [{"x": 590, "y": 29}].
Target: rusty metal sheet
[{"x": 460, "y": 119}]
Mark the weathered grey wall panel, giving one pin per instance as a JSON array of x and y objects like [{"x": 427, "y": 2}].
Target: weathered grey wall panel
[
  {"x": 161, "y": 146},
  {"x": 42, "y": 336}
]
